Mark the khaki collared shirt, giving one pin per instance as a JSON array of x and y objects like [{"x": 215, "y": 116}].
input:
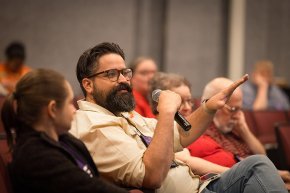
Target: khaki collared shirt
[{"x": 117, "y": 149}]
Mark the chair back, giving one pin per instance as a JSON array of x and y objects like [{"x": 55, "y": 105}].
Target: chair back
[
  {"x": 2, "y": 98},
  {"x": 251, "y": 121},
  {"x": 283, "y": 137},
  {"x": 5, "y": 184},
  {"x": 265, "y": 125}
]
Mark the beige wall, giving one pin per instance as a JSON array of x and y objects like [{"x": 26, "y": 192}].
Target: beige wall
[
  {"x": 268, "y": 34},
  {"x": 184, "y": 36}
]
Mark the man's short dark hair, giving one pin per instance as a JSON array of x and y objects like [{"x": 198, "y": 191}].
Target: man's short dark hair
[
  {"x": 15, "y": 50},
  {"x": 89, "y": 61}
]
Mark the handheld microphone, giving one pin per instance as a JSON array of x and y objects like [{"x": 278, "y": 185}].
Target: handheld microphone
[{"x": 178, "y": 117}]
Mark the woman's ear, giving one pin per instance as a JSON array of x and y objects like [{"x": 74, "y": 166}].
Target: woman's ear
[
  {"x": 51, "y": 109},
  {"x": 88, "y": 85}
]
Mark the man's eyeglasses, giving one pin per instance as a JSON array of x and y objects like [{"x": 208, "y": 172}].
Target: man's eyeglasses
[
  {"x": 232, "y": 109},
  {"x": 114, "y": 74}
]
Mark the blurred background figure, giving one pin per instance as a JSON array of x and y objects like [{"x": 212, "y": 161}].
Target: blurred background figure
[
  {"x": 13, "y": 68},
  {"x": 143, "y": 70},
  {"x": 261, "y": 93},
  {"x": 177, "y": 84}
]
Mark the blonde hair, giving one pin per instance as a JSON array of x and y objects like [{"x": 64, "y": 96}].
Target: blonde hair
[{"x": 264, "y": 65}]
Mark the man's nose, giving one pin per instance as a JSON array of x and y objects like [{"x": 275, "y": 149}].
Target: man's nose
[{"x": 122, "y": 78}]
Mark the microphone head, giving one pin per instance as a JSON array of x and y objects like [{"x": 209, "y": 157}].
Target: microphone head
[{"x": 156, "y": 94}]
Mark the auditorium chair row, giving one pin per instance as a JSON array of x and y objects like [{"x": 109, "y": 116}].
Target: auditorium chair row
[
  {"x": 272, "y": 128},
  {"x": 263, "y": 124}
]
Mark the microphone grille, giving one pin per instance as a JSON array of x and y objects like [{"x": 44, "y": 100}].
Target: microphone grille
[{"x": 155, "y": 95}]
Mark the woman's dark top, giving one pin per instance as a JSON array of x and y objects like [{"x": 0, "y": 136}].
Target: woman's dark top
[{"x": 41, "y": 165}]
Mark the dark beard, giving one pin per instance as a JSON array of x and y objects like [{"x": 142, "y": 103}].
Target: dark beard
[{"x": 116, "y": 102}]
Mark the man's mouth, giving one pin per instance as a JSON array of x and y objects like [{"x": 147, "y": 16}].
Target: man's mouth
[{"x": 123, "y": 91}]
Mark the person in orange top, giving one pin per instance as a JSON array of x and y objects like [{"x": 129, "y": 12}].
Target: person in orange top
[
  {"x": 143, "y": 71},
  {"x": 13, "y": 68}
]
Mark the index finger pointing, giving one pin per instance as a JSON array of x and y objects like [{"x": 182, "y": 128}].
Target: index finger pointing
[{"x": 236, "y": 84}]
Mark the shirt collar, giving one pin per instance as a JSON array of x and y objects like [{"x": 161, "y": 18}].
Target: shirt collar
[{"x": 88, "y": 106}]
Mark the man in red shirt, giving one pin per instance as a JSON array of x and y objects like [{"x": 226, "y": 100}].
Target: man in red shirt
[{"x": 230, "y": 129}]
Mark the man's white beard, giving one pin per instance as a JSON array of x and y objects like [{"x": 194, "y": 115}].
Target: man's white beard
[{"x": 228, "y": 127}]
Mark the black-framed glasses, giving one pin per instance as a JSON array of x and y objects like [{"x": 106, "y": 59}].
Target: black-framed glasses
[
  {"x": 232, "y": 109},
  {"x": 114, "y": 74}
]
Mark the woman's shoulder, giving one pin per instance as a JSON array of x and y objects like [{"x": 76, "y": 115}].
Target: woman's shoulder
[{"x": 33, "y": 148}]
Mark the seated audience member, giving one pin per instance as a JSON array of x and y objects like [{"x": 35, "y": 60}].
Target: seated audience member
[
  {"x": 135, "y": 151},
  {"x": 213, "y": 157},
  {"x": 46, "y": 158},
  {"x": 260, "y": 93},
  {"x": 13, "y": 68},
  {"x": 143, "y": 70},
  {"x": 230, "y": 129}
]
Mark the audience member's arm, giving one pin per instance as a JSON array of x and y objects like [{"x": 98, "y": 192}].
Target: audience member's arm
[
  {"x": 247, "y": 136},
  {"x": 261, "y": 100},
  {"x": 198, "y": 165},
  {"x": 159, "y": 155},
  {"x": 201, "y": 117}
]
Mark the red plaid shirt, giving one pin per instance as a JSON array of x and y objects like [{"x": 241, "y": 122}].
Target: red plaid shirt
[
  {"x": 207, "y": 148},
  {"x": 229, "y": 142}
]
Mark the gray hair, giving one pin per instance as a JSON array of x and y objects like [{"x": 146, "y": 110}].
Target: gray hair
[
  {"x": 215, "y": 86},
  {"x": 166, "y": 81}
]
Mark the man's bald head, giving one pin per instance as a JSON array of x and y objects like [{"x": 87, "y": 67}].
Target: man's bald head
[
  {"x": 226, "y": 118},
  {"x": 217, "y": 85}
]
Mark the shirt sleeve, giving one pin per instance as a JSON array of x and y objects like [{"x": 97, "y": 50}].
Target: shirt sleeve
[{"x": 177, "y": 145}]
